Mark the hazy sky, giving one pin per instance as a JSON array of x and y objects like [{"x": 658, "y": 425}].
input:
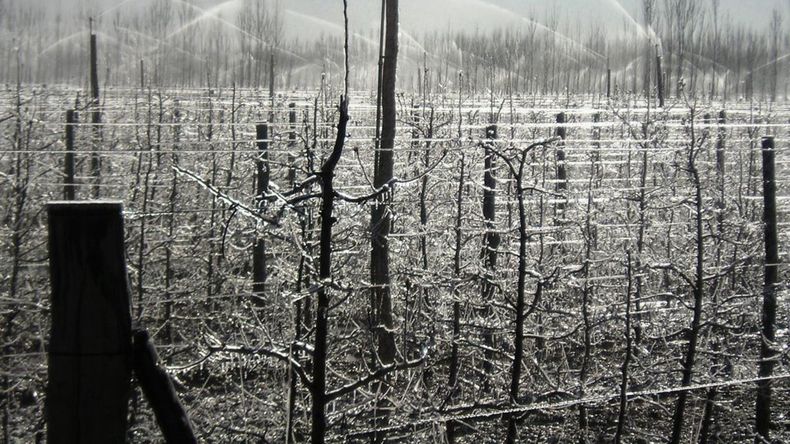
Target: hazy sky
[
  {"x": 418, "y": 16},
  {"x": 310, "y": 17}
]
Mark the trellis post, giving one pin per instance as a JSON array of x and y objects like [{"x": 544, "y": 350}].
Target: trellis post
[{"x": 90, "y": 340}]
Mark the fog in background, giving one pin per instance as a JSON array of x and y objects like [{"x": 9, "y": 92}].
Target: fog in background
[{"x": 189, "y": 41}]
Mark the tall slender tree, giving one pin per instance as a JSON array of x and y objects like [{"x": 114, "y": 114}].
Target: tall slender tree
[{"x": 381, "y": 214}]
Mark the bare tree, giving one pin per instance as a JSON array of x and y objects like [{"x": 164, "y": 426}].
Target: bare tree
[
  {"x": 683, "y": 14},
  {"x": 648, "y": 12},
  {"x": 381, "y": 213},
  {"x": 715, "y": 6},
  {"x": 697, "y": 284}
]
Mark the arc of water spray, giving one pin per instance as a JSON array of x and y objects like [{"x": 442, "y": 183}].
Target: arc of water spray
[
  {"x": 211, "y": 13},
  {"x": 112, "y": 8},
  {"x": 541, "y": 26},
  {"x": 766, "y": 65},
  {"x": 647, "y": 33},
  {"x": 339, "y": 28},
  {"x": 329, "y": 24},
  {"x": 159, "y": 42},
  {"x": 415, "y": 42},
  {"x": 81, "y": 33},
  {"x": 208, "y": 14},
  {"x": 61, "y": 41},
  {"x": 628, "y": 66},
  {"x": 422, "y": 49},
  {"x": 702, "y": 58}
]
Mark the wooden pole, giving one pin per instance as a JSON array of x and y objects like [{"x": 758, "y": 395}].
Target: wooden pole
[
  {"x": 90, "y": 339},
  {"x": 562, "y": 173},
  {"x": 608, "y": 83},
  {"x": 660, "y": 78},
  {"x": 261, "y": 187},
  {"x": 491, "y": 241},
  {"x": 720, "y": 144},
  {"x": 96, "y": 114},
  {"x": 291, "y": 144},
  {"x": 69, "y": 187},
  {"x": 94, "y": 68},
  {"x": 767, "y": 347},
  {"x": 596, "y": 135},
  {"x": 160, "y": 392}
]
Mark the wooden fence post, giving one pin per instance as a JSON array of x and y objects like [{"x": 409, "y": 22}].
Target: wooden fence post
[
  {"x": 768, "y": 334},
  {"x": 68, "y": 187},
  {"x": 562, "y": 173},
  {"x": 94, "y": 65},
  {"x": 608, "y": 83},
  {"x": 491, "y": 241},
  {"x": 291, "y": 144},
  {"x": 596, "y": 136},
  {"x": 720, "y": 145},
  {"x": 96, "y": 113},
  {"x": 660, "y": 77},
  {"x": 721, "y": 142},
  {"x": 90, "y": 340},
  {"x": 261, "y": 187}
]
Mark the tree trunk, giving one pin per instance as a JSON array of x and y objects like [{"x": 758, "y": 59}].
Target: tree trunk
[
  {"x": 627, "y": 360},
  {"x": 698, "y": 289},
  {"x": 518, "y": 339},
  {"x": 381, "y": 216},
  {"x": 318, "y": 413},
  {"x": 261, "y": 187},
  {"x": 767, "y": 350},
  {"x": 453, "y": 379}
]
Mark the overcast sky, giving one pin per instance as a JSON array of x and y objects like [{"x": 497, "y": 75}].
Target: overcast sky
[
  {"x": 420, "y": 14},
  {"x": 310, "y": 17}
]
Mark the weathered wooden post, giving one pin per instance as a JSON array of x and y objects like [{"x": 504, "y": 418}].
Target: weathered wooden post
[
  {"x": 491, "y": 240},
  {"x": 90, "y": 339},
  {"x": 596, "y": 170},
  {"x": 562, "y": 173},
  {"x": 608, "y": 83},
  {"x": 261, "y": 187},
  {"x": 94, "y": 65},
  {"x": 707, "y": 121},
  {"x": 68, "y": 182},
  {"x": 596, "y": 135},
  {"x": 158, "y": 389},
  {"x": 96, "y": 113},
  {"x": 660, "y": 77},
  {"x": 767, "y": 346},
  {"x": 291, "y": 144},
  {"x": 720, "y": 143}
]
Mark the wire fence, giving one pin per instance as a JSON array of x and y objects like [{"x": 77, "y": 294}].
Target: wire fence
[{"x": 184, "y": 164}]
